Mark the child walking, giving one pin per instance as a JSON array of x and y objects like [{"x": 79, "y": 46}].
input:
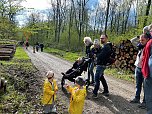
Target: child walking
[
  {"x": 78, "y": 94},
  {"x": 49, "y": 93}
]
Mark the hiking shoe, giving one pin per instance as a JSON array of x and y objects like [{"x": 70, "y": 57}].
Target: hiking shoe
[
  {"x": 92, "y": 83},
  {"x": 94, "y": 96},
  {"x": 135, "y": 101},
  {"x": 105, "y": 94},
  {"x": 142, "y": 105}
]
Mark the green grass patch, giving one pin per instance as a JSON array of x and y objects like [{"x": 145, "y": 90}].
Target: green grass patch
[
  {"x": 16, "y": 72},
  {"x": 124, "y": 75},
  {"x": 63, "y": 54},
  {"x": 20, "y": 54}
]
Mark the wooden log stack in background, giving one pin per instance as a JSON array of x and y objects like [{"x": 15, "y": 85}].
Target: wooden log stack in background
[
  {"x": 7, "y": 50},
  {"x": 125, "y": 55}
]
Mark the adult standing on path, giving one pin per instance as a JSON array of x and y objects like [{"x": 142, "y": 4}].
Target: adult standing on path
[
  {"x": 95, "y": 48},
  {"x": 41, "y": 46},
  {"x": 27, "y": 44},
  {"x": 138, "y": 73},
  {"x": 102, "y": 58},
  {"x": 147, "y": 73},
  {"x": 88, "y": 43}
]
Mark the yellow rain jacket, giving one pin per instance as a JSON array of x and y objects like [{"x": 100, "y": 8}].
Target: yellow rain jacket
[
  {"x": 48, "y": 92},
  {"x": 77, "y": 100}
]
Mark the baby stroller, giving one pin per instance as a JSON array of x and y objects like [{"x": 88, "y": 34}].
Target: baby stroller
[{"x": 80, "y": 65}]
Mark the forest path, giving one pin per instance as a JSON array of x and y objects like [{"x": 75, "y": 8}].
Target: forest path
[{"x": 120, "y": 91}]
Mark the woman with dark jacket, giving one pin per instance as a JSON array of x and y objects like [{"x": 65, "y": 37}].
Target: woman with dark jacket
[{"x": 88, "y": 43}]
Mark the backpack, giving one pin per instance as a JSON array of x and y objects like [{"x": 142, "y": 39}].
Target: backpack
[{"x": 111, "y": 58}]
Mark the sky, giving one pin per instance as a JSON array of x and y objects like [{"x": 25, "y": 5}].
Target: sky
[
  {"x": 36, "y": 4},
  {"x": 29, "y": 6},
  {"x": 39, "y": 5}
]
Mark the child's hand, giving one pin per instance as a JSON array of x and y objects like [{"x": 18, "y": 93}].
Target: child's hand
[
  {"x": 76, "y": 90},
  {"x": 66, "y": 85},
  {"x": 55, "y": 91}
]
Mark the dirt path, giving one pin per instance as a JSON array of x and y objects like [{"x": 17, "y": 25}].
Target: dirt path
[{"x": 120, "y": 91}]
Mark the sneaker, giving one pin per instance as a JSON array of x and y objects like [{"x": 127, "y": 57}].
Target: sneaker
[
  {"x": 94, "y": 96},
  {"x": 142, "y": 105},
  {"x": 105, "y": 93},
  {"x": 92, "y": 83},
  {"x": 135, "y": 101}
]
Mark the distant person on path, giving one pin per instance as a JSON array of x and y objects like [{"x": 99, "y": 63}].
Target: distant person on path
[
  {"x": 41, "y": 46},
  {"x": 138, "y": 73},
  {"x": 50, "y": 89},
  {"x": 88, "y": 43},
  {"x": 78, "y": 95},
  {"x": 102, "y": 58},
  {"x": 34, "y": 49},
  {"x": 27, "y": 44},
  {"x": 37, "y": 46},
  {"x": 147, "y": 73}
]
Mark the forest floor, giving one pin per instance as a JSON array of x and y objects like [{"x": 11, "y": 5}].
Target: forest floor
[{"x": 120, "y": 91}]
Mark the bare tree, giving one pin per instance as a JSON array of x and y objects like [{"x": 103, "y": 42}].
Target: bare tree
[
  {"x": 147, "y": 12},
  {"x": 107, "y": 13}
]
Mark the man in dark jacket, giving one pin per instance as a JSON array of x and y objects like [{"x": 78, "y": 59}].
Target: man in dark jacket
[
  {"x": 41, "y": 46},
  {"x": 102, "y": 59}
]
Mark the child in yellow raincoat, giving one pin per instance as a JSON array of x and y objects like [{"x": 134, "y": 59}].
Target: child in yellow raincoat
[
  {"x": 49, "y": 92},
  {"x": 78, "y": 94}
]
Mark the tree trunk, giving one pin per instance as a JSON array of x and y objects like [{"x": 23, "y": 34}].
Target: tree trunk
[
  {"x": 147, "y": 13},
  {"x": 107, "y": 13}
]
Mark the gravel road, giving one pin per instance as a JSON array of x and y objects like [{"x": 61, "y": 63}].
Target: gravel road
[{"x": 120, "y": 91}]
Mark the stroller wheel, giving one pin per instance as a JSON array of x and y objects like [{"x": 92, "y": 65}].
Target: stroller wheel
[
  {"x": 62, "y": 82},
  {"x": 87, "y": 83}
]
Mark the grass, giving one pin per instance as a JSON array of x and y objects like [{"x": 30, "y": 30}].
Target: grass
[
  {"x": 125, "y": 75},
  {"x": 63, "y": 54},
  {"x": 13, "y": 100},
  {"x": 20, "y": 54}
]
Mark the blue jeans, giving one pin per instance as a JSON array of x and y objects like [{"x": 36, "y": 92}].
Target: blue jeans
[
  {"x": 148, "y": 94},
  {"x": 91, "y": 67},
  {"x": 139, "y": 80},
  {"x": 100, "y": 77}
]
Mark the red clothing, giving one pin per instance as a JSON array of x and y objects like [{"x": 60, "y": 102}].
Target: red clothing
[{"x": 145, "y": 59}]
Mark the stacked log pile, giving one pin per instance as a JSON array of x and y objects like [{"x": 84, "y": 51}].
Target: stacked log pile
[
  {"x": 125, "y": 55},
  {"x": 7, "y": 51}
]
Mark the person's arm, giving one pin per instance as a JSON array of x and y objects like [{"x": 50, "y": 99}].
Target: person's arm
[
  {"x": 55, "y": 86},
  {"x": 69, "y": 88},
  {"x": 135, "y": 41}
]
